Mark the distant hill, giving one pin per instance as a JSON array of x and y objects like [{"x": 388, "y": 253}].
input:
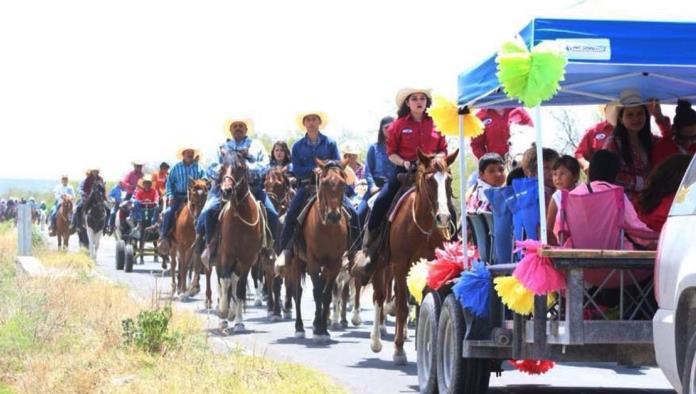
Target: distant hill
[{"x": 30, "y": 185}]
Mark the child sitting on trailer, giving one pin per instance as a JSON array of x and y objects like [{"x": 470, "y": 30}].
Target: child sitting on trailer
[
  {"x": 491, "y": 174},
  {"x": 566, "y": 173}
]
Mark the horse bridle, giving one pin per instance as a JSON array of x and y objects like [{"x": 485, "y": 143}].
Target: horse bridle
[
  {"x": 331, "y": 165},
  {"x": 275, "y": 198},
  {"x": 234, "y": 187},
  {"x": 433, "y": 210},
  {"x": 197, "y": 212}
]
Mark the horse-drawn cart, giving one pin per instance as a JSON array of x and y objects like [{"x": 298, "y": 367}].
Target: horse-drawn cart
[{"x": 134, "y": 229}]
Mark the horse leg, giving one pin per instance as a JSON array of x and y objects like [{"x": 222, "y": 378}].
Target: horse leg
[
  {"x": 287, "y": 307},
  {"x": 239, "y": 295},
  {"x": 184, "y": 256},
  {"x": 172, "y": 268},
  {"x": 336, "y": 308},
  {"x": 317, "y": 290},
  {"x": 299, "y": 326},
  {"x": 277, "y": 299},
  {"x": 401, "y": 316},
  {"x": 378, "y": 299},
  {"x": 327, "y": 288},
  {"x": 356, "y": 319},
  {"x": 345, "y": 298},
  {"x": 258, "y": 290},
  {"x": 208, "y": 291},
  {"x": 224, "y": 306}
]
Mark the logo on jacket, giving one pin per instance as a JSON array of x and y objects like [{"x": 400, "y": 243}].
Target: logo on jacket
[
  {"x": 407, "y": 131},
  {"x": 487, "y": 121},
  {"x": 600, "y": 137}
]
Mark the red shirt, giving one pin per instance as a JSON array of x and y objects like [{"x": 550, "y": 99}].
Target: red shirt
[
  {"x": 594, "y": 139},
  {"x": 496, "y": 133},
  {"x": 665, "y": 148},
  {"x": 159, "y": 181},
  {"x": 143, "y": 195},
  {"x": 657, "y": 218},
  {"x": 407, "y": 135}
]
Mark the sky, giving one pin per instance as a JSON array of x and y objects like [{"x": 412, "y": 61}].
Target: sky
[{"x": 97, "y": 83}]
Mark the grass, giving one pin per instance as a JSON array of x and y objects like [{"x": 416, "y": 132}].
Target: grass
[{"x": 64, "y": 335}]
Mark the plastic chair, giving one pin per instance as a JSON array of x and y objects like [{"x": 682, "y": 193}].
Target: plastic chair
[
  {"x": 527, "y": 200},
  {"x": 481, "y": 235},
  {"x": 502, "y": 227}
]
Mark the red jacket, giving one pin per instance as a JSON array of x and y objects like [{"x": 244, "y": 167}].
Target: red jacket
[
  {"x": 406, "y": 136},
  {"x": 657, "y": 218},
  {"x": 496, "y": 133},
  {"x": 143, "y": 195},
  {"x": 594, "y": 139},
  {"x": 665, "y": 148}
]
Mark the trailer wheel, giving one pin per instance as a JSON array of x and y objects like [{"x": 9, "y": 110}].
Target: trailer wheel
[
  {"x": 456, "y": 374},
  {"x": 689, "y": 370},
  {"x": 120, "y": 254},
  {"x": 426, "y": 342},
  {"x": 130, "y": 258}
]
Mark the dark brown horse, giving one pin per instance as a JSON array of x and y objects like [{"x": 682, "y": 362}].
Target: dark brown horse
[
  {"x": 420, "y": 225},
  {"x": 278, "y": 188},
  {"x": 62, "y": 230},
  {"x": 242, "y": 226},
  {"x": 181, "y": 251},
  {"x": 325, "y": 231}
]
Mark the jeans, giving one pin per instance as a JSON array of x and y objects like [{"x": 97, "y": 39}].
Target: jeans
[
  {"x": 138, "y": 211},
  {"x": 384, "y": 200},
  {"x": 260, "y": 195},
  {"x": 169, "y": 213}
]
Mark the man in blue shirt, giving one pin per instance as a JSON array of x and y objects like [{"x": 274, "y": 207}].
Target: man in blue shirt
[
  {"x": 257, "y": 163},
  {"x": 177, "y": 191},
  {"x": 62, "y": 189},
  {"x": 314, "y": 145}
]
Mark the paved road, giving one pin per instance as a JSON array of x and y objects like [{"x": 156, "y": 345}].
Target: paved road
[{"x": 349, "y": 360}]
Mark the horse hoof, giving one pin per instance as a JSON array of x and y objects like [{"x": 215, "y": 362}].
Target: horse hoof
[
  {"x": 324, "y": 338},
  {"x": 344, "y": 324},
  {"x": 336, "y": 327},
  {"x": 208, "y": 304},
  {"x": 223, "y": 325},
  {"x": 239, "y": 328},
  {"x": 287, "y": 315},
  {"x": 400, "y": 358},
  {"x": 376, "y": 347},
  {"x": 258, "y": 303},
  {"x": 269, "y": 314},
  {"x": 299, "y": 334},
  {"x": 194, "y": 291},
  {"x": 276, "y": 318},
  {"x": 356, "y": 320}
]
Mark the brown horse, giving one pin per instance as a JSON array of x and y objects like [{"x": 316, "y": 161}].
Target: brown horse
[
  {"x": 242, "y": 226},
  {"x": 419, "y": 226},
  {"x": 278, "y": 188},
  {"x": 62, "y": 230},
  {"x": 184, "y": 236},
  {"x": 325, "y": 231}
]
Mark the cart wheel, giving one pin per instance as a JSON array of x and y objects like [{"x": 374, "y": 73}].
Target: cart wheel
[
  {"x": 130, "y": 258},
  {"x": 456, "y": 374},
  {"x": 120, "y": 254},
  {"x": 426, "y": 342}
]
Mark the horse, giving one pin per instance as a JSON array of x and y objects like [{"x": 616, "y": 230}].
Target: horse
[
  {"x": 242, "y": 231},
  {"x": 95, "y": 214},
  {"x": 325, "y": 230},
  {"x": 278, "y": 188},
  {"x": 62, "y": 229},
  {"x": 420, "y": 224},
  {"x": 181, "y": 252}
]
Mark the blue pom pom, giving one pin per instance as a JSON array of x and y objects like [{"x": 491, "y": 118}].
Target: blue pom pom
[{"x": 473, "y": 289}]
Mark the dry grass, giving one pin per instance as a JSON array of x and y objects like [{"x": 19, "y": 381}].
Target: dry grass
[{"x": 64, "y": 335}]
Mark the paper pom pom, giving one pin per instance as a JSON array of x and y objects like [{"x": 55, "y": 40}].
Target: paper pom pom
[
  {"x": 515, "y": 296},
  {"x": 451, "y": 251},
  {"x": 473, "y": 289},
  {"x": 472, "y": 125},
  {"x": 536, "y": 273},
  {"x": 449, "y": 262},
  {"x": 417, "y": 279},
  {"x": 531, "y": 77},
  {"x": 532, "y": 367},
  {"x": 445, "y": 115}
]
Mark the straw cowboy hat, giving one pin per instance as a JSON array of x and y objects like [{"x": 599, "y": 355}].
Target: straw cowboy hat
[
  {"x": 299, "y": 119},
  {"x": 145, "y": 178},
  {"x": 180, "y": 152},
  {"x": 350, "y": 148},
  {"x": 403, "y": 94},
  {"x": 228, "y": 122},
  {"x": 138, "y": 162},
  {"x": 90, "y": 169},
  {"x": 627, "y": 98}
]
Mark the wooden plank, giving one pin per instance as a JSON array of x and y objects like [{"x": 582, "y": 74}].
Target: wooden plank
[
  {"x": 566, "y": 263},
  {"x": 597, "y": 254}
]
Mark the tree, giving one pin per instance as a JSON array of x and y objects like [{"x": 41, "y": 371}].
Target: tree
[{"x": 567, "y": 135}]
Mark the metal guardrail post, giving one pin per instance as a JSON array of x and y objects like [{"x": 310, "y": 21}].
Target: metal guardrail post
[{"x": 24, "y": 230}]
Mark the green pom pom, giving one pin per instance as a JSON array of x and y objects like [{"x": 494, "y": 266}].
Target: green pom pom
[{"x": 531, "y": 77}]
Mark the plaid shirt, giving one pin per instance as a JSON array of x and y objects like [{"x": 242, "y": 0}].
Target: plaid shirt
[{"x": 178, "y": 179}]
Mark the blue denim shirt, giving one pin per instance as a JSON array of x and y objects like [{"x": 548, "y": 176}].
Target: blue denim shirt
[
  {"x": 304, "y": 153},
  {"x": 378, "y": 164},
  {"x": 256, "y": 160},
  {"x": 116, "y": 194}
]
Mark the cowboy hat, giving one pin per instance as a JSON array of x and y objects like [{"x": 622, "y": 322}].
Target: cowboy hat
[
  {"x": 90, "y": 169},
  {"x": 299, "y": 119},
  {"x": 138, "y": 163},
  {"x": 403, "y": 94},
  {"x": 247, "y": 121},
  {"x": 180, "y": 152},
  {"x": 350, "y": 148},
  {"x": 146, "y": 178},
  {"x": 627, "y": 98}
]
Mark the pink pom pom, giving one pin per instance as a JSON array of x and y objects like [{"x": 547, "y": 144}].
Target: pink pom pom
[{"x": 537, "y": 273}]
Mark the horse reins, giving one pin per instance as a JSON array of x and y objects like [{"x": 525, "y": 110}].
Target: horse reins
[
  {"x": 433, "y": 212},
  {"x": 323, "y": 215},
  {"x": 236, "y": 211}
]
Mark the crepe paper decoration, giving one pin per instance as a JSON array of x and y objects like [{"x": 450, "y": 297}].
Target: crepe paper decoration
[
  {"x": 532, "y": 367},
  {"x": 537, "y": 273},
  {"x": 517, "y": 297},
  {"x": 473, "y": 289},
  {"x": 451, "y": 251},
  {"x": 417, "y": 279},
  {"x": 531, "y": 77},
  {"x": 445, "y": 114},
  {"x": 473, "y": 127}
]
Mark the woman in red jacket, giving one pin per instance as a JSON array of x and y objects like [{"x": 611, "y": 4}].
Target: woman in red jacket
[{"x": 656, "y": 200}]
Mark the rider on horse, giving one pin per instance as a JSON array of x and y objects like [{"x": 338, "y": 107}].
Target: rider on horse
[
  {"x": 85, "y": 189},
  {"x": 130, "y": 181},
  {"x": 177, "y": 191},
  {"x": 62, "y": 189},
  {"x": 413, "y": 130},
  {"x": 314, "y": 145},
  {"x": 257, "y": 162},
  {"x": 145, "y": 196}
]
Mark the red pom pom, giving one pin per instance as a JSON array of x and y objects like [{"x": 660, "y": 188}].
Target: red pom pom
[
  {"x": 448, "y": 264},
  {"x": 532, "y": 367}
]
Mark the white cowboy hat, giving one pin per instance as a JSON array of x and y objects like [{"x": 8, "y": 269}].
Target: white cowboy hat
[
  {"x": 183, "y": 148},
  {"x": 299, "y": 119},
  {"x": 146, "y": 178},
  {"x": 138, "y": 162},
  {"x": 627, "y": 98},
  {"x": 228, "y": 122},
  {"x": 403, "y": 94},
  {"x": 350, "y": 148}
]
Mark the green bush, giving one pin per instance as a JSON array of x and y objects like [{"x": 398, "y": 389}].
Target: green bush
[{"x": 149, "y": 331}]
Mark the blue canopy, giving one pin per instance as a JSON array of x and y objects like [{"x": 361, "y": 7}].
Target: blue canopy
[{"x": 605, "y": 57}]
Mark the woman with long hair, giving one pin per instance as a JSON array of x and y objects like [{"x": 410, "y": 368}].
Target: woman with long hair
[
  {"x": 280, "y": 155},
  {"x": 656, "y": 200}
]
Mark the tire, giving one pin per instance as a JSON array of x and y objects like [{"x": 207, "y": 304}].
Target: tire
[
  {"x": 688, "y": 377},
  {"x": 120, "y": 254},
  {"x": 130, "y": 259},
  {"x": 456, "y": 374},
  {"x": 426, "y": 342}
]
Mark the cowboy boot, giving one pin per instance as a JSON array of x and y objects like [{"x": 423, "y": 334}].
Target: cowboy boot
[
  {"x": 364, "y": 267},
  {"x": 163, "y": 246}
]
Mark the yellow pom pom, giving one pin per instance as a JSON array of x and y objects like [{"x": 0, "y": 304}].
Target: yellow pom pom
[
  {"x": 417, "y": 278},
  {"x": 444, "y": 113},
  {"x": 472, "y": 126},
  {"x": 516, "y": 296}
]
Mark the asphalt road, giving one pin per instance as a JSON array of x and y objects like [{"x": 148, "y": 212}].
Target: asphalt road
[{"x": 348, "y": 358}]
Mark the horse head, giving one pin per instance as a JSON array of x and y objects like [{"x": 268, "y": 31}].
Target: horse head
[
  {"x": 197, "y": 194},
  {"x": 234, "y": 178},
  {"x": 66, "y": 205},
  {"x": 434, "y": 184},
  {"x": 331, "y": 184},
  {"x": 277, "y": 184}
]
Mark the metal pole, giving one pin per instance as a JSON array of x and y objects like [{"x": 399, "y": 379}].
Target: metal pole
[
  {"x": 23, "y": 230},
  {"x": 462, "y": 188},
  {"x": 540, "y": 176}
]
